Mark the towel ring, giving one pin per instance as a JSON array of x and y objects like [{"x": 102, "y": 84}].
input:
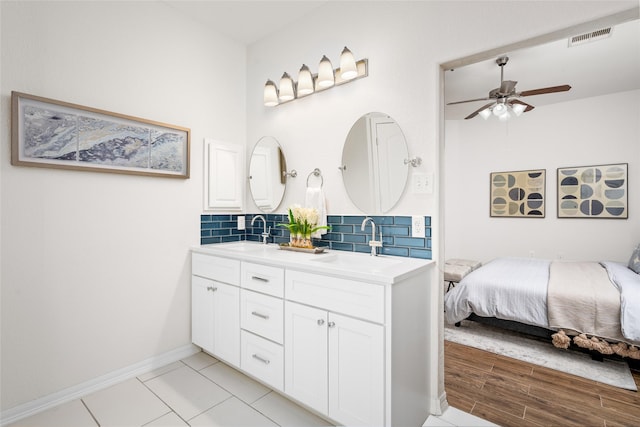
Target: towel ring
[{"x": 316, "y": 172}]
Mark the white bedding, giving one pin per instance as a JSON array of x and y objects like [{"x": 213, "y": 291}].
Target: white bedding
[
  {"x": 628, "y": 283},
  {"x": 506, "y": 288},
  {"x": 516, "y": 289}
]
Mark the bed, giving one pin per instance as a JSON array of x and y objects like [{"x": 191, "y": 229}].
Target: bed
[{"x": 595, "y": 305}]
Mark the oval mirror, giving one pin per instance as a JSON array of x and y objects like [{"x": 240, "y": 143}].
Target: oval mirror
[
  {"x": 375, "y": 173},
  {"x": 267, "y": 178}
]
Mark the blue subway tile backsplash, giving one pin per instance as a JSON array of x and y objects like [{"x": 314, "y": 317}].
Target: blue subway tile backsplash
[{"x": 345, "y": 233}]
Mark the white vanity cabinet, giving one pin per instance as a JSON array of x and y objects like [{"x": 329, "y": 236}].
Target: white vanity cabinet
[
  {"x": 344, "y": 335},
  {"x": 215, "y": 306}
]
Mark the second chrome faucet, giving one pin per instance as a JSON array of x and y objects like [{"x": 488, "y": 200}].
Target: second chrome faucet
[
  {"x": 265, "y": 233},
  {"x": 373, "y": 242}
]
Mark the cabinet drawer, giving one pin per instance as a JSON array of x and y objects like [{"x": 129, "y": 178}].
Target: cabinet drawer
[
  {"x": 217, "y": 268},
  {"x": 263, "y": 359},
  {"x": 357, "y": 299},
  {"x": 263, "y": 278},
  {"x": 262, "y": 315}
]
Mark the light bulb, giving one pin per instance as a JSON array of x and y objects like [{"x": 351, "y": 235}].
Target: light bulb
[
  {"x": 270, "y": 94},
  {"x": 286, "y": 88},
  {"x": 305, "y": 81},
  {"x": 486, "y": 113},
  {"x": 498, "y": 110},
  {"x": 348, "y": 69},
  {"x": 504, "y": 116},
  {"x": 518, "y": 109},
  {"x": 325, "y": 73}
]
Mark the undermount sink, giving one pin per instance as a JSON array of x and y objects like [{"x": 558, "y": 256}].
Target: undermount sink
[
  {"x": 348, "y": 260},
  {"x": 244, "y": 246}
]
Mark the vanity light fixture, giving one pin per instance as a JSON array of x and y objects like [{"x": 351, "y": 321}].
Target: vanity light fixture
[
  {"x": 326, "y": 76},
  {"x": 348, "y": 68},
  {"x": 309, "y": 83},
  {"x": 305, "y": 81},
  {"x": 286, "y": 88},
  {"x": 270, "y": 94}
]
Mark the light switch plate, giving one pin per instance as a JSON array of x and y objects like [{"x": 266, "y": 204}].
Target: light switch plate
[
  {"x": 241, "y": 222},
  {"x": 417, "y": 226}
]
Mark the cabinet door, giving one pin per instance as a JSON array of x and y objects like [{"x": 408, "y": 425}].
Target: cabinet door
[
  {"x": 356, "y": 371},
  {"x": 202, "y": 313},
  {"x": 226, "y": 322},
  {"x": 224, "y": 171},
  {"x": 306, "y": 355}
]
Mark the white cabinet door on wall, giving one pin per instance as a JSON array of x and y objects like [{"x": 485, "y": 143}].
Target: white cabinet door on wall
[
  {"x": 216, "y": 318},
  {"x": 224, "y": 176}
]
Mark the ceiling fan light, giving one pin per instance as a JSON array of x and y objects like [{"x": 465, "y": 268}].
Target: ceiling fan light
[
  {"x": 504, "y": 116},
  {"x": 518, "y": 109},
  {"x": 486, "y": 113},
  {"x": 270, "y": 94},
  {"x": 499, "y": 109}
]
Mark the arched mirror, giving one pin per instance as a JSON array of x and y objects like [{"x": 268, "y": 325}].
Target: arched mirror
[
  {"x": 373, "y": 167},
  {"x": 267, "y": 174}
]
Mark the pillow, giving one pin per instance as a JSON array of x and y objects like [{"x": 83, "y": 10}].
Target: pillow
[{"x": 634, "y": 261}]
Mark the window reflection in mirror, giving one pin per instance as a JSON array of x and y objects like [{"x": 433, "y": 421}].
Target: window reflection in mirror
[
  {"x": 267, "y": 179},
  {"x": 373, "y": 163}
]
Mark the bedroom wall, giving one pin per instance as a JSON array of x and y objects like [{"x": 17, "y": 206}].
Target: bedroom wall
[
  {"x": 95, "y": 267},
  {"x": 592, "y": 131}
]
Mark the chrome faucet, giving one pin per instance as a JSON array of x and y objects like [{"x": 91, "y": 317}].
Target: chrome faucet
[
  {"x": 373, "y": 242},
  {"x": 265, "y": 233}
]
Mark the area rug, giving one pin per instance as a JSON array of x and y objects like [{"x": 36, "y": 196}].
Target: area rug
[{"x": 517, "y": 346}]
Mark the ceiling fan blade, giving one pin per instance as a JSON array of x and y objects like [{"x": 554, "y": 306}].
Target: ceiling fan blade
[
  {"x": 475, "y": 113},
  {"x": 507, "y": 86},
  {"x": 469, "y": 100},
  {"x": 542, "y": 91},
  {"x": 529, "y": 107}
]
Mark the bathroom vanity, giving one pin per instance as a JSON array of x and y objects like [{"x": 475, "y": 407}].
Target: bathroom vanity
[{"x": 344, "y": 334}]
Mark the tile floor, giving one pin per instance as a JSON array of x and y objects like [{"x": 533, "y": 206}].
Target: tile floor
[{"x": 196, "y": 391}]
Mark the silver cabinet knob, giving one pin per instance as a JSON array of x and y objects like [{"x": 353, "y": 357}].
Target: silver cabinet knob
[
  {"x": 331, "y": 324},
  {"x": 320, "y": 322}
]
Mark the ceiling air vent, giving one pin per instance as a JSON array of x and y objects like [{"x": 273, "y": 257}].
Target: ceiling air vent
[{"x": 590, "y": 37}]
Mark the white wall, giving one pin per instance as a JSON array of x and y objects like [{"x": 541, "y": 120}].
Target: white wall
[
  {"x": 95, "y": 267},
  {"x": 592, "y": 131}
]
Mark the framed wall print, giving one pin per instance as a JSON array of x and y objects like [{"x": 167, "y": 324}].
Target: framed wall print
[
  {"x": 518, "y": 194},
  {"x": 56, "y": 134},
  {"x": 593, "y": 191}
]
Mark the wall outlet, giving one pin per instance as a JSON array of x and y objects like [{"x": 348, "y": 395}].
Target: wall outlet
[
  {"x": 241, "y": 222},
  {"x": 417, "y": 226}
]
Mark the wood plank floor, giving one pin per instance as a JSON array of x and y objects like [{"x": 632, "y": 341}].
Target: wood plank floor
[{"x": 509, "y": 392}]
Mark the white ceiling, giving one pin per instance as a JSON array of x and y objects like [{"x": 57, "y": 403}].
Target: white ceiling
[
  {"x": 592, "y": 69},
  {"x": 243, "y": 20}
]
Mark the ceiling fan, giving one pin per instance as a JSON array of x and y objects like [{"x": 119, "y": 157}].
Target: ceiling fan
[{"x": 505, "y": 98}]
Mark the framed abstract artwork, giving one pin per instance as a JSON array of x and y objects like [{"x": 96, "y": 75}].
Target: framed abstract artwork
[
  {"x": 593, "y": 191},
  {"x": 56, "y": 134},
  {"x": 518, "y": 194}
]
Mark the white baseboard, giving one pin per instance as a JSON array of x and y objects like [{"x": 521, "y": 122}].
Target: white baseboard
[{"x": 33, "y": 407}]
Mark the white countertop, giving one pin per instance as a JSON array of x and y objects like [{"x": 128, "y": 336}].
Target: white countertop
[{"x": 381, "y": 269}]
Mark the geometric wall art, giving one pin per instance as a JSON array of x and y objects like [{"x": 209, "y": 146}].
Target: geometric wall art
[
  {"x": 518, "y": 194},
  {"x": 599, "y": 191},
  {"x": 56, "y": 134}
]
